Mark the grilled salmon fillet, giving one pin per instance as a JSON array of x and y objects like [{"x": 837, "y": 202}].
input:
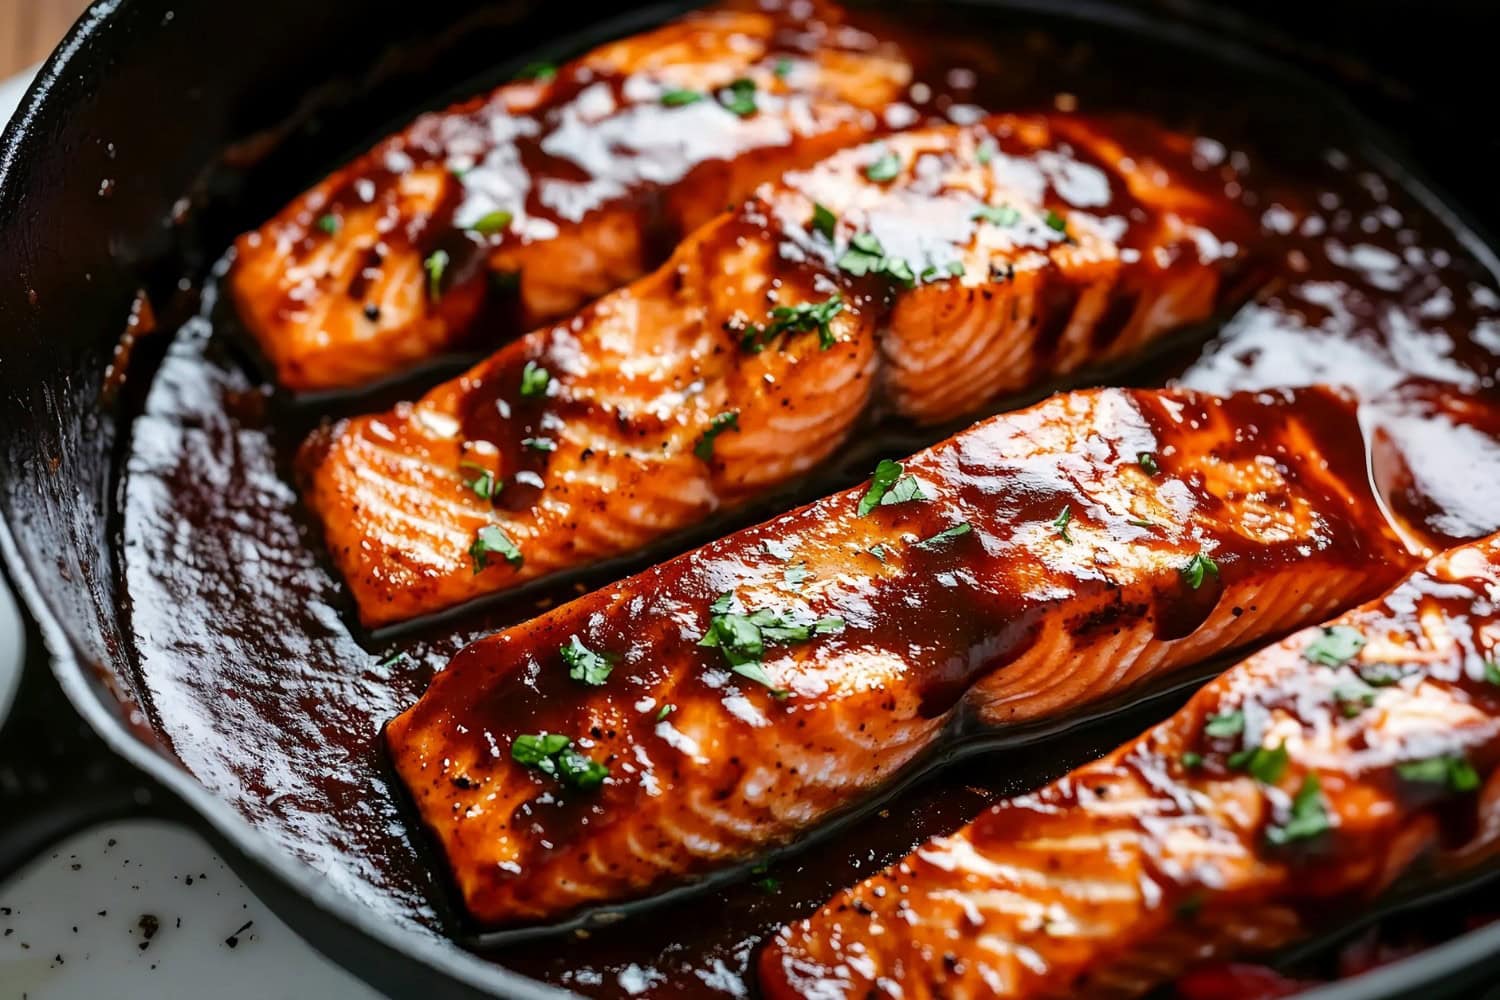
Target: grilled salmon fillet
[
  {"x": 1294, "y": 788},
  {"x": 479, "y": 222},
  {"x": 714, "y": 707},
  {"x": 928, "y": 273}
]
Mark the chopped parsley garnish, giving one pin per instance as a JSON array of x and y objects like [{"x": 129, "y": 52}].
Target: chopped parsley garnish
[
  {"x": 954, "y": 269},
  {"x": 555, "y": 755},
  {"x": 1334, "y": 647},
  {"x": 676, "y": 97},
  {"x": 1055, "y": 221},
  {"x": 1492, "y": 671},
  {"x": 1198, "y": 567},
  {"x": 783, "y": 68},
  {"x": 886, "y": 168},
  {"x": 1380, "y": 674},
  {"x": 1225, "y": 724},
  {"x": 1192, "y": 759},
  {"x": 986, "y": 152},
  {"x": 742, "y": 638},
  {"x": 739, "y": 97},
  {"x": 866, "y": 255},
  {"x": 801, "y": 318},
  {"x": 539, "y": 444},
  {"x": 486, "y": 485},
  {"x": 795, "y": 576},
  {"x": 1062, "y": 522},
  {"x": 1265, "y": 766},
  {"x": 534, "y": 379},
  {"x": 587, "y": 665},
  {"x": 435, "y": 266},
  {"x": 1139, "y": 522},
  {"x": 538, "y": 71},
  {"x": 329, "y": 224},
  {"x": 1147, "y": 462},
  {"x": 492, "y": 222},
  {"x": 1309, "y": 816},
  {"x": 888, "y": 486},
  {"x": 492, "y": 540},
  {"x": 1454, "y": 771},
  {"x": 879, "y": 551},
  {"x": 704, "y": 449},
  {"x": 945, "y": 536},
  {"x": 824, "y": 221},
  {"x": 1353, "y": 697},
  {"x": 393, "y": 659},
  {"x": 665, "y": 711},
  {"x": 1000, "y": 215}
]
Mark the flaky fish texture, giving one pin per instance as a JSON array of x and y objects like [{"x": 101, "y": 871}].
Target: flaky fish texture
[
  {"x": 477, "y": 223},
  {"x": 716, "y": 706},
  {"x": 1295, "y": 788},
  {"x": 929, "y": 274}
]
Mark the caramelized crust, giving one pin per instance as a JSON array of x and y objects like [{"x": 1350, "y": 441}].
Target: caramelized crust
[
  {"x": 1180, "y": 847},
  {"x": 596, "y": 166},
  {"x": 1032, "y": 246},
  {"x": 1081, "y": 571}
]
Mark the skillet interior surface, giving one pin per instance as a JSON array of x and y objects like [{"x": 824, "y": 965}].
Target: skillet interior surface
[{"x": 236, "y": 649}]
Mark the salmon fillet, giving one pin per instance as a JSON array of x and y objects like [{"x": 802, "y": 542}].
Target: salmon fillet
[
  {"x": 518, "y": 207},
  {"x": 1296, "y": 787},
  {"x": 714, "y": 707},
  {"x": 929, "y": 273}
]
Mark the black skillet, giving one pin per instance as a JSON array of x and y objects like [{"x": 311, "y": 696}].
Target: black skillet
[{"x": 212, "y": 114}]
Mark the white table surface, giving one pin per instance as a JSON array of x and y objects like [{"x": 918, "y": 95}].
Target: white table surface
[{"x": 73, "y": 925}]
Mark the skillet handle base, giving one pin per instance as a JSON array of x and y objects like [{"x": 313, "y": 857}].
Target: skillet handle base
[{"x": 56, "y": 775}]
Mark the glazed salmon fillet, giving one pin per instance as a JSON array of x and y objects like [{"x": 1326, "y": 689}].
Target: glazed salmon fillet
[
  {"x": 720, "y": 704},
  {"x": 925, "y": 275},
  {"x": 479, "y": 222},
  {"x": 1295, "y": 788}
]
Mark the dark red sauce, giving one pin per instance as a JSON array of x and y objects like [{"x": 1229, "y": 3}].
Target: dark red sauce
[{"x": 252, "y": 669}]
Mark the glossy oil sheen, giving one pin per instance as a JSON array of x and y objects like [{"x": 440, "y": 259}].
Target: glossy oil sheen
[{"x": 251, "y": 668}]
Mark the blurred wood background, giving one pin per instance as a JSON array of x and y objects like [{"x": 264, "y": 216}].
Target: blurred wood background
[{"x": 29, "y": 29}]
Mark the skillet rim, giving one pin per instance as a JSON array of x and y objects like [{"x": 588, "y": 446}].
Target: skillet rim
[{"x": 1463, "y": 956}]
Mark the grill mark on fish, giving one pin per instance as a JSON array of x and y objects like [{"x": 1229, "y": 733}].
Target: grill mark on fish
[
  {"x": 1166, "y": 853},
  {"x": 644, "y": 373},
  {"x": 598, "y": 176},
  {"x": 983, "y": 627}
]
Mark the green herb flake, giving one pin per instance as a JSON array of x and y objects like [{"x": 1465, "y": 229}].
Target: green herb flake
[
  {"x": 1147, "y": 462},
  {"x": 1198, "y": 568},
  {"x": 865, "y": 255},
  {"x": 1353, "y": 697},
  {"x": 329, "y": 224},
  {"x": 767, "y": 884},
  {"x": 1000, "y": 215},
  {"x": 1264, "y": 765},
  {"x": 945, "y": 536},
  {"x": 539, "y": 444},
  {"x": 1139, "y": 522},
  {"x": 1308, "y": 818},
  {"x": 824, "y": 222},
  {"x": 485, "y": 484},
  {"x": 492, "y": 540},
  {"x": 1062, "y": 521},
  {"x": 886, "y": 168},
  {"x": 1056, "y": 222},
  {"x": 1192, "y": 760},
  {"x": 585, "y": 664},
  {"x": 879, "y": 551},
  {"x": 952, "y": 269},
  {"x": 739, "y": 97},
  {"x": 1224, "y": 725},
  {"x": 1453, "y": 771},
  {"x": 393, "y": 659},
  {"x": 491, "y": 223},
  {"x": 889, "y": 486},
  {"x": 742, "y": 638},
  {"x": 1492, "y": 671},
  {"x": 676, "y": 98},
  {"x": 802, "y": 318},
  {"x": 795, "y": 576},
  {"x": 436, "y": 265},
  {"x": 534, "y": 380},
  {"x": 541, "y": 72},
  {"x": 783, "y": 68},
  {"x": 1334, "y": 646},
  {"x": 704, "y": 449},
  {"x": 986, "y": 152},
  {"x": 554, "y": 755},
  {"x": 665, "y": 711}
]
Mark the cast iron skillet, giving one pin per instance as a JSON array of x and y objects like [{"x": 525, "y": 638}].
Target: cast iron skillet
[{"x": 159, "y": 110}]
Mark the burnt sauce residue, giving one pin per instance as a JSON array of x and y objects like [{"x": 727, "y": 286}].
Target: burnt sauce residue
[{"x": 252, "y": 668}]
